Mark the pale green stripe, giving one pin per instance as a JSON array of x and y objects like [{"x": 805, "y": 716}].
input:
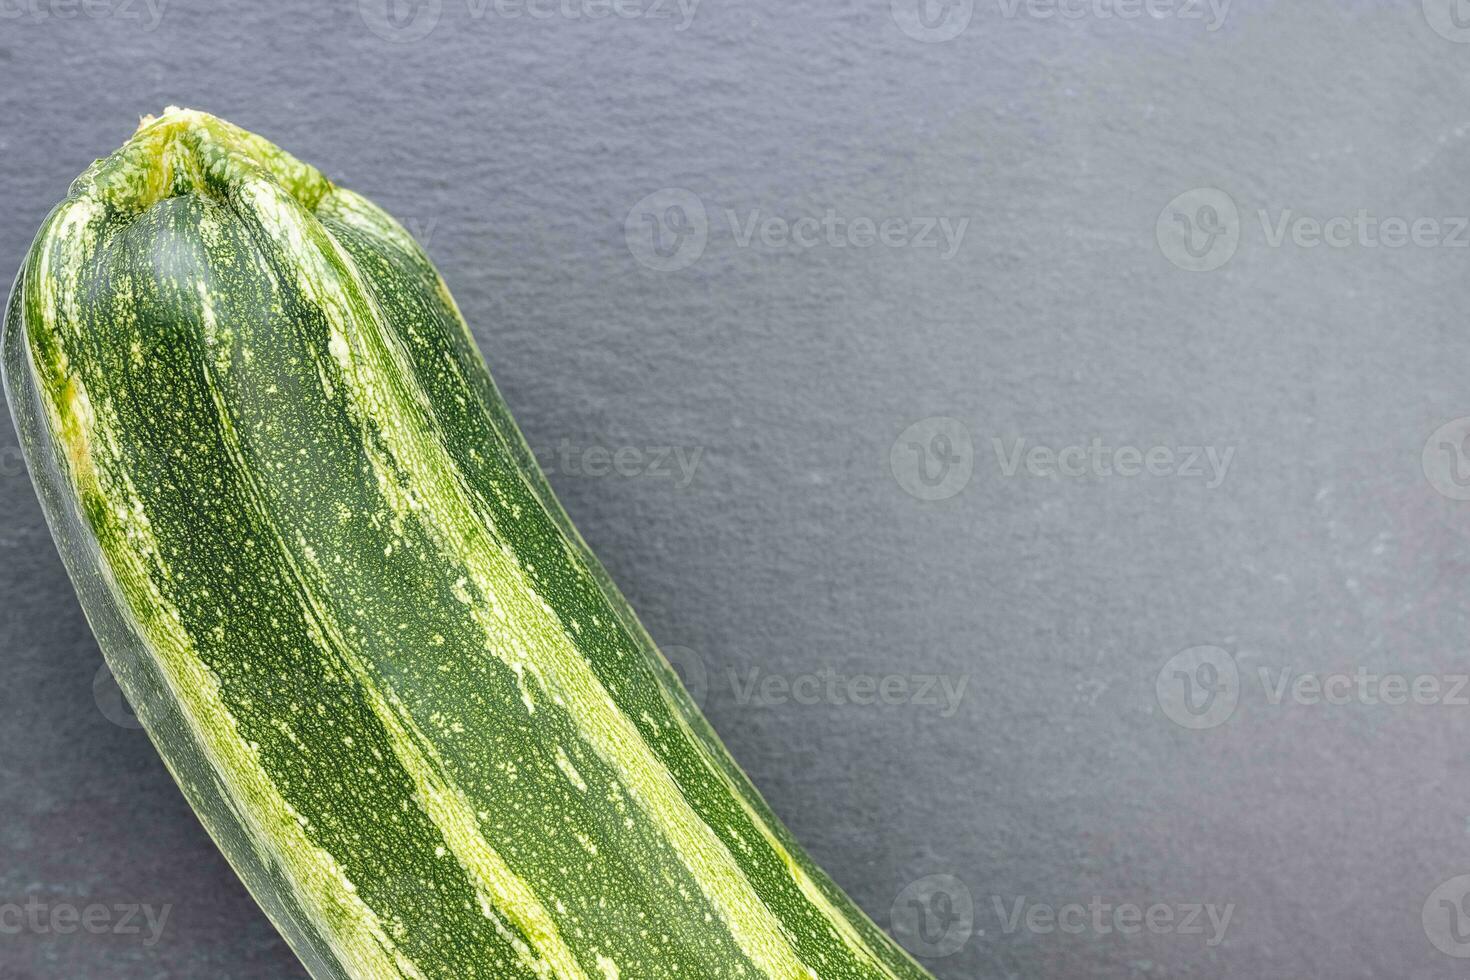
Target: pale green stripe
[
  {"x": 507, "y": 604},
  {"x": 354, "y": 932},
  {"x": 497, "y": 887},
  {"x": 349, "y": 207}
]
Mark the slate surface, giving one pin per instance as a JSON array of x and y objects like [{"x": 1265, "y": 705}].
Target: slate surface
[{"x": 812, "y": 529}]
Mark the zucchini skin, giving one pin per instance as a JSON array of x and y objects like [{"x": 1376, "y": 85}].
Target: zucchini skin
[{"x": 399, "y": 691}]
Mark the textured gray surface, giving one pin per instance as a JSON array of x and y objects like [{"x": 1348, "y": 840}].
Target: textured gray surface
[{"x": 520, "y": 149}]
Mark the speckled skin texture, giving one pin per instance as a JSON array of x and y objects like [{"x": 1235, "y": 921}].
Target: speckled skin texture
[{"x": 516, "y": 148}]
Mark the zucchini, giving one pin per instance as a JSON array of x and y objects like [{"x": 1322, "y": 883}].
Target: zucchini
[{"x": 399, "y": 691}]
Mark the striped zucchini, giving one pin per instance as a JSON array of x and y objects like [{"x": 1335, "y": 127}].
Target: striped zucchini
[{"x": 397, "y": 688}]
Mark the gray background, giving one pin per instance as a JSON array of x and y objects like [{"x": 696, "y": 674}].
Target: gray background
[{"x": 519, "y": 149}]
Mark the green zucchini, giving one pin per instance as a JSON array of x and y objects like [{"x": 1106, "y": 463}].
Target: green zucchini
[{"x": 391, "y": 679}]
